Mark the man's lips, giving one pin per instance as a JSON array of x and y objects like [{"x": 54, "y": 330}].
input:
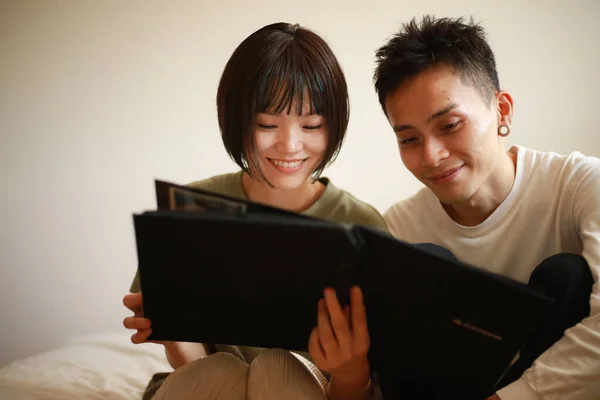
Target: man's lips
[{"x": 444, "y": 174}]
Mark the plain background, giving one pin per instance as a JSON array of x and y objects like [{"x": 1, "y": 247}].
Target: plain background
[{"x": 99, "y": 98}]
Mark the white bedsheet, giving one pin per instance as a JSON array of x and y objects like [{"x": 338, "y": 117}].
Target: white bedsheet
[{"x": 104, "y": 366}]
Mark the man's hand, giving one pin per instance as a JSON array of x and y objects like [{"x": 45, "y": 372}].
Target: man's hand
[{"x": 339, "y": 345}]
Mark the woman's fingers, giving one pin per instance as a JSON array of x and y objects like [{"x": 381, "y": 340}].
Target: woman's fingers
[
  {"x": 316, "y": 350},
  {"x": 326, "y": 335},
  {"x": 133, "y": 301},
  {"x": 339, "y": 323},
  {"x": 358, "y": 314},
  {"x": 347, "y": 315},
  {"x": 339, "y": 343},
  {"x": 141, "y": 336},
  {"x": 136, "y": 323}
]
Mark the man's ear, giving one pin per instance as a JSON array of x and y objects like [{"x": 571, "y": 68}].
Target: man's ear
[{"x": 504, "y": 107}]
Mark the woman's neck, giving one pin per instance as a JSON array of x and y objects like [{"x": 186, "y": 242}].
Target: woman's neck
[{"x": 296, "y": 200}]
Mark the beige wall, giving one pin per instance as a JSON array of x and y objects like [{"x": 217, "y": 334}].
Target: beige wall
[{"x": 97, "y": 98}]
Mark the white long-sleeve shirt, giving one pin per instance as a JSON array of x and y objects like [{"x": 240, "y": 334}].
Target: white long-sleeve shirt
[{"x": 553, "y": 207}]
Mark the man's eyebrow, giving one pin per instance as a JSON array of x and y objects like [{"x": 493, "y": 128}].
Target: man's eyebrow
[
  {"x": 437, "y": 114},
  {"x": 442, "y": 112}
]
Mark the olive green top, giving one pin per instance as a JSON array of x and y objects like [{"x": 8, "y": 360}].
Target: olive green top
[{"x": 335, "y": 205}]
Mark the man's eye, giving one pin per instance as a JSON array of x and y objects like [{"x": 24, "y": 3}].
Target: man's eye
[
  {"x": 408, "y": 140},
  {"x": 450, "y": 127}
]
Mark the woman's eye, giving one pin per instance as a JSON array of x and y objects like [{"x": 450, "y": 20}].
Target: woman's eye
[
  {"x": 313, "y": 127},
  {"x": 263, "y": 126}
]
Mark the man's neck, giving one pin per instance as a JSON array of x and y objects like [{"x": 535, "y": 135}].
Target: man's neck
[
  {"x": 490, "y": 195},
  {"x": 296, "y": 200}
]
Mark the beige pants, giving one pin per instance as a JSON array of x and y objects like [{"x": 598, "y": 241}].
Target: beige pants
[{"x": 273, "y": 374}]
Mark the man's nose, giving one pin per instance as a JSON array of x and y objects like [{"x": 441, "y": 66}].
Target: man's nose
[{"x": 434, "y": 151}]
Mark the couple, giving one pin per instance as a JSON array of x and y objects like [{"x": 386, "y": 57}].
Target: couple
[{"x": 283, "y": 112}]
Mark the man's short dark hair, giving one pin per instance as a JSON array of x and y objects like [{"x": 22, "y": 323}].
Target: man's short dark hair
[
  {"x": 276, "y": 66},
  {"x": 432, "y": 42}
]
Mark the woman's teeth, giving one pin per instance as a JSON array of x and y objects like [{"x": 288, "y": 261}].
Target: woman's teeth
[{"x": 286, "y": 164}]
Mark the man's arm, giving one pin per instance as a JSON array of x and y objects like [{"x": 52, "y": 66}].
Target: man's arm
[{"x": 570, "y": 369}]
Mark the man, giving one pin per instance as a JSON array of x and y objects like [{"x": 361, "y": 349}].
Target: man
[{"x": 531, "y": 216}]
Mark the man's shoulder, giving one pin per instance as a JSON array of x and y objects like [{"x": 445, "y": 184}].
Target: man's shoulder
[
  {"x": 582, "y": 164},
  {"x": 403, "y": 215},
  {"x": 567, "y": 171},
  {"x": 416, "y": 203},
  {"x": 555, "y": 162}
]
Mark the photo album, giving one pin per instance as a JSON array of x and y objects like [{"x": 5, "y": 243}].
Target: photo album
[{"x": 216, "y": 269}]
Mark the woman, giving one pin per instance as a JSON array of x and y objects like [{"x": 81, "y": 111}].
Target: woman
[{"x": 283, "y": 111}]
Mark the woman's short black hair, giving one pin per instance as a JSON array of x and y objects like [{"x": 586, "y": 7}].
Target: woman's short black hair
[{"x": 275, "y": 67}]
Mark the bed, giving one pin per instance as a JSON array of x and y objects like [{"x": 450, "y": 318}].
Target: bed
[{"x": 103, "y": 366}]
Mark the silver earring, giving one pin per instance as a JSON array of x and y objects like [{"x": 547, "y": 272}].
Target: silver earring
[{"x": 503, "y": 130}]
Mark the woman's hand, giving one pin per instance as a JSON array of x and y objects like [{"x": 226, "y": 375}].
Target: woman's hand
[
  {"x": 339, "y": 345},
  {"x": 178, "y": 353},
  {"x": 133, "y": 301}
]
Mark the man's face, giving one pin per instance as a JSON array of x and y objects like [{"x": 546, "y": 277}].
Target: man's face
[{"x": 447, "y": 133}]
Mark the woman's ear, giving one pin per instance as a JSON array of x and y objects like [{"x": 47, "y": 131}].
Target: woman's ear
[{"x": 505, "y": 108}]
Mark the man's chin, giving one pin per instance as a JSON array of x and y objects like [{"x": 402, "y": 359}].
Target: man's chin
[{"x": 449, "y": 197}]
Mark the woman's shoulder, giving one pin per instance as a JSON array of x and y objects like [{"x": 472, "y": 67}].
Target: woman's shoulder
[
  {"x": 228, "y": 184},
  {"x": 364, "y": 213},
  {"x": 342, "y": 206}
]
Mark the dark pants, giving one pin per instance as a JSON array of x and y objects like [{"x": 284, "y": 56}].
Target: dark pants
[{"x": 564, "y": 277}]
